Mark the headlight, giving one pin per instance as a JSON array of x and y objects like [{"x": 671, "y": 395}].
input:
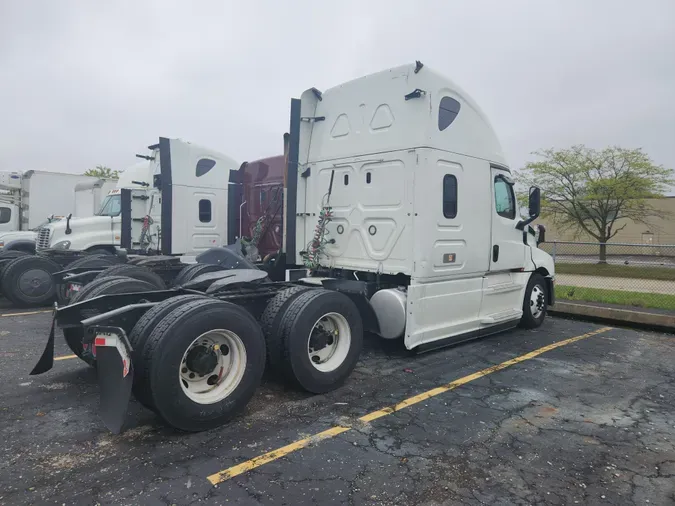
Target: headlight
[{"x": 62, "y": 245}]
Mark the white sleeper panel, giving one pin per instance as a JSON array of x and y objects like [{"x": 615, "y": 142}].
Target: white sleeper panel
[{"x": 371, "y": 202}]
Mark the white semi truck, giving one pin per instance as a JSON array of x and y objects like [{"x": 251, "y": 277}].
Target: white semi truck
[
  {"x": 180, "y": 188},
  {"x": 35, "y": 198},
  {"x": 400, "y": 219},
  {"x": 200, "y": 208}
]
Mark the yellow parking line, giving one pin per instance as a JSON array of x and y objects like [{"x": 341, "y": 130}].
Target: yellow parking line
[
  {"x": 275, "y": 454},
  {"x": 260, "y": 460},
  {"x": 27, "y": 313},
  {"x": 65, "y": 357}
]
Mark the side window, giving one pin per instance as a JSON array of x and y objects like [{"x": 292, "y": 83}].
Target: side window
[
  {"x": 205, "y": 211},
  {"x": 5, "y": 214},
  {"x": 449, "y": 196},
  {"x": 505, "y": 200},
  {"x": 448, "y": 109},
  {"x": 116, "y": 206},
  {"x": 203, "y": 166}
]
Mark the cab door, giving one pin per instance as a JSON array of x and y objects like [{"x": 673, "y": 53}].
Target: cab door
[
  {"x": 9, "y": 218},
  {"x": 508, "y": 250},
  {"x": 503, "y": 282}
]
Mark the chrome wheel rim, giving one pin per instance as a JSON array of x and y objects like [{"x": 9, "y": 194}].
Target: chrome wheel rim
[{"x": 537, "y": 301}]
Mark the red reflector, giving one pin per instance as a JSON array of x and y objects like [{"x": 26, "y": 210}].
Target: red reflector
[{"x": 99, "y": 341}]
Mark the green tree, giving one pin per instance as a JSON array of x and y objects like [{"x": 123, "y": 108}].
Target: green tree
[
  {"x": 103, "y": 172},
  {"x": 592, "y": 191}
]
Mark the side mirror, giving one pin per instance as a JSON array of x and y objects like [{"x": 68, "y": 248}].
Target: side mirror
[
  {"x": 534, "y": 202},
  {"x": 533, "y": 210}
]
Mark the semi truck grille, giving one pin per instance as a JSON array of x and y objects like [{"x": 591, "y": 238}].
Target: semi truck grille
[{"x": 42, "y": 239}]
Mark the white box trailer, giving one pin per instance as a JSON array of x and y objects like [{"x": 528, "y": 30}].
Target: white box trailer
[
  {"x": 400, "y": 220},
  {"x": 32, "y": 199},
  {"x": 28, "y": 198}
]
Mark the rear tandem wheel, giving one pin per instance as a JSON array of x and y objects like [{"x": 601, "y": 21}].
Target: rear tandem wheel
[
  {"x": 319, "y": 337},
  {"x": 203, "y": 362},
  {"x": 63, "y": 295},
  {"x": 100, "y": 286},
  {"x": 190, "y": 272},
  {"x": 134, "y": 271},
  {"x": 27, "y": 280},
  {"x": 139, "y": 336}
]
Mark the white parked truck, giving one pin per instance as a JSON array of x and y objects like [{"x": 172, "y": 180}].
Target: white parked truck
[
  {"x": 400, "y": 219},
  {"x": 180, "y": 188},
  {"x": 35, "y": 198},
  {"x": 196, "y": 180}
]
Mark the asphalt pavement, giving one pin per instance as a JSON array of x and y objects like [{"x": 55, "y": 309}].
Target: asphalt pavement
[{"x": 571, "y": 413}]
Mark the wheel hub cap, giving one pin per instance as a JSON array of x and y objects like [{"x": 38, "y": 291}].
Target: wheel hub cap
[
  {"x": 35, "y": 282},
  {"x": 320, "y": 339},
  {"x": 329, "y": 342},
  {"x": 212, "y": 366},
  {"x": 201, "y": 360}
]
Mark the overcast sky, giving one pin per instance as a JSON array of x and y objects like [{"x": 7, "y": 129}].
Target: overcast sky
[{"x": 85, "y": 83}]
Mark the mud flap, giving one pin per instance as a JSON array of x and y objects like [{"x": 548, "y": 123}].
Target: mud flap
[
  {"x": 46, "y": 361},
  {"x": 115, "y": 375}
]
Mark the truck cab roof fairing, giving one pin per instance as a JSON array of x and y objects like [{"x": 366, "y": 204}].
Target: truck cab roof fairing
[{"x": 376, "y": 104}]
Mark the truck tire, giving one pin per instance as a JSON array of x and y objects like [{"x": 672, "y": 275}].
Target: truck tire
[
  {"x": 105, "y": 286},
  {"x": 27, "y": 281},
  {"x": 136, "y": 272},
  {"x": 190, "y": 272},
  {"x": 181, "y": 348},
  {"x": 91, "y": 261},
  {"x": 7, "y": 256},
  {"x": 84, "y": 293},
  {"x": 271, "y": 318},
  {"x": 12, "y": 253},
  {"x": 534, "y": 303},
  {"x": 139, "y": 336},
  {"x": 73, "y": 335},
  {"x": 320, "y": 337},
  {"x": 101, "y": 251},
  {"x": 22, "y": 245},
  {"x": 135, "y": 260}
]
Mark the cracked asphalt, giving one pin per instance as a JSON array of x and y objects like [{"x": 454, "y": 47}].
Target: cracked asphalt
[{"x": 591, "y": 422}]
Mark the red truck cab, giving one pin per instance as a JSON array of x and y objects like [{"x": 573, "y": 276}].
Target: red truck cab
[{"x": 259, "y": 204}]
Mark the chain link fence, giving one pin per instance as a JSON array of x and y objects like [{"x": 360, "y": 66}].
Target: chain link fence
[{"x": 637, "y": 275}]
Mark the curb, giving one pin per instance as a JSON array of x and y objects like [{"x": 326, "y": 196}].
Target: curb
[{"x": 627, "y": 317}]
